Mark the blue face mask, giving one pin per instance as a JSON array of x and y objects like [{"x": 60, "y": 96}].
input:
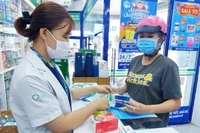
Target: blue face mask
[{"x": 147, "y": 45}]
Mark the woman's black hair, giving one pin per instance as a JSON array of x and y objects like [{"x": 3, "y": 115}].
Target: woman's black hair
[{"x": 46, "y": 15}]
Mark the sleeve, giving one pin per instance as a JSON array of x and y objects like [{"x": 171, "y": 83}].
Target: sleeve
[
  {"x": 170, "y": 83},
  {"x": 130, "y": 66},
  {"x": 129, "y": 69},
  {"x": 38, "y": 101}
]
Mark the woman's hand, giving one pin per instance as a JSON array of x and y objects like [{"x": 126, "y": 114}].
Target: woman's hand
[
  {"x": 103, "y": 89},
  {"x": 136, "y": 108},
  {"x": 101, "y": 103},
  {"x": 118, "y": 91}
]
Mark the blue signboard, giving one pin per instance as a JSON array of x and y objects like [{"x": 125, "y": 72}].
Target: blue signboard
[
  {"x": 184, "y": 35},
  {"x": 185, "y": 26},
  {"x": 132, "y": 11},
  {"x": 180, "y": 116}
]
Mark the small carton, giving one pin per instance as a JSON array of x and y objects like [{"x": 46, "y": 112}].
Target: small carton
[
  {"x": 104, "y": 123},
  {"x": 103, "y": 68},
  {"x": 116, "y": 100}
]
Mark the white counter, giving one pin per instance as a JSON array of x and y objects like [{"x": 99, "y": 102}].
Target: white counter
[
  {"x": 85, "y": 128},
  {"x": 158, "y": 130}
]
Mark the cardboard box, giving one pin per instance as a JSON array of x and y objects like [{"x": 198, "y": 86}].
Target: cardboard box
[
  {"x": 103, "y": 68},
  {"x": 103, "y": 81},
  {"x": 79, "y": 80},
  {"x": 91, "y": 80},
  {"x": 104, "y": 123},
  {"x": 98, "y": 80}
]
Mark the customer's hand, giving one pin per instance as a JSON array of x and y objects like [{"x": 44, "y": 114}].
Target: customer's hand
[
  {"x": 136, "y": 107},
  {"x": 117, "y": 90},
  {"x": 120, "y": 90},
  {"x": 101, "y": 103},
  {"x": 103, "y": 89}
]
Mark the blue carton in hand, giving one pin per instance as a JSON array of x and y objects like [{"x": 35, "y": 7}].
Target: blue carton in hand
[{"x": 117, "y": 101}]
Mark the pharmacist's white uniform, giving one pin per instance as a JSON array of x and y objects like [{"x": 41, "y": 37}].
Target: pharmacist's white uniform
[{"x": 36, "y": 96}]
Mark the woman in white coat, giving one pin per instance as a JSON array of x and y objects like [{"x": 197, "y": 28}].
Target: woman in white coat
[{"x": 40, "y": 99}]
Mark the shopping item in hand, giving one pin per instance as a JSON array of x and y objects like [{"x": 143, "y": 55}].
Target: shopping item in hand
[{"x": 117, "y": 101}]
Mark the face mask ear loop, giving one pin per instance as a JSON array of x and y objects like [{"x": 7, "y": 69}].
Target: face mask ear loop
[
  {"x": 159, "y": 46},
  {"x": 45, "y": 43},
  {"x": 52, "y": 35}
]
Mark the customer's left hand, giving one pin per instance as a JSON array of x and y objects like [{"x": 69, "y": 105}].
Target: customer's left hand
[
  {"x": 103, "y": 89},
  {"x": 136, "y": 108}
]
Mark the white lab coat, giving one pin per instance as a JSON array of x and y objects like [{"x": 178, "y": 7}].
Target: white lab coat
[{"x": 36, "y": 96}]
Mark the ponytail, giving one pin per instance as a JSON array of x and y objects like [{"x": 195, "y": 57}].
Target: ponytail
[{"x": 21, "y": 27}]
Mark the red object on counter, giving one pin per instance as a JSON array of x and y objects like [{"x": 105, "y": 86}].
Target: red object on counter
[{"x": 104, "y": 123}]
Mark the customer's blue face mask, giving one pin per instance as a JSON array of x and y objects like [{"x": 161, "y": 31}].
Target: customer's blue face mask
[{"x": 147, "y": 45}]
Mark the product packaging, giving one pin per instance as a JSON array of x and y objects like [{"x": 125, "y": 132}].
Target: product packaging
[
  {"x": 117, "y": 101},
  {"x": 104, "y": 123}
]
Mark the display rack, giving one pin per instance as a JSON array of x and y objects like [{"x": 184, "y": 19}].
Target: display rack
[{"x": 11, "y": 45}]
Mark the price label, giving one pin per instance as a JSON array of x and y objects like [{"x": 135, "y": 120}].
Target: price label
[{"x": 125, "y": 57}]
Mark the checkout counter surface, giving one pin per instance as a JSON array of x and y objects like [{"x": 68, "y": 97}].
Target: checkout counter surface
[{"x": 154, "y": 125}]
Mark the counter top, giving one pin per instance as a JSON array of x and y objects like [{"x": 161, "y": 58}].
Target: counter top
[
  {"x": 158, "y": 130},
  {"x": 85, "y": 127}
]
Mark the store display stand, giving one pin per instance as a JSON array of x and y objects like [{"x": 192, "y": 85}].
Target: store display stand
[
  {"x": 10, "y": 49},
  {"x": 12, "y": 45}
]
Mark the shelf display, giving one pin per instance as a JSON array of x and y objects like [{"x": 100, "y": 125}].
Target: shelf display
[
  {"x": 11, "y": 48},
  {"x": 9, "y": 10}
]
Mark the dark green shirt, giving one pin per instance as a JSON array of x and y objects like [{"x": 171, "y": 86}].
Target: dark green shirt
[{"x": 154, "y": 83}]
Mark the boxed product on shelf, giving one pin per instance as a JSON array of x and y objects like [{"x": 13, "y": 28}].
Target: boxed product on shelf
[
  {"x": 8, "y": 64},
  {"x": 8, "y": 54},
  {"x": 7, "y": 83},
  {"x": 4, "y": 64},
  {"x": 103, "y": 68},
  {"x": 3, "y": 54},
  {"x": 12, "y": 63},
  {"x": 11, "y": 48},
  {"x": 8, "y": 75}
]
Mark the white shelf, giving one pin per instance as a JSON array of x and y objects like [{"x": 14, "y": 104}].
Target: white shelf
[
  {"x": 11, "y": 40},
  {"x": 11, "y": 49},
  {"x": 8, "y": 69},
  {"x": 11, "y": 33},
  {"x": 12, "y": 58}
]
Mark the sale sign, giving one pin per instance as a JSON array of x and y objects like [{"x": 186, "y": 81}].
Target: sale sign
[
  {"x": 185, "y": 27},
  {"x": 188, "y": 9}
]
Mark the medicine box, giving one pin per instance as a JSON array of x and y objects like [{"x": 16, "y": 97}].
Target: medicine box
[{"x": 104, "y": 123}]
